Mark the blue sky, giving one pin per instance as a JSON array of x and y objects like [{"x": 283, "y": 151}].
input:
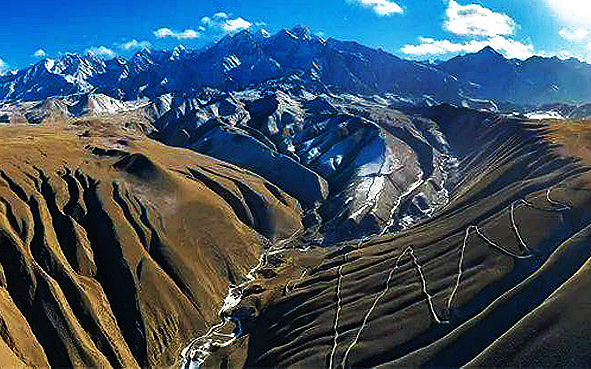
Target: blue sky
[{"x": 418, "y": 29}]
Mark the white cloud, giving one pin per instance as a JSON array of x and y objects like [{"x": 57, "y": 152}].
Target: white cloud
[
  {"x": 566, "y": 54},
  {"x": 167, "y": 32},
  {"x": 238, "y": 24},
  {"x": 40, "y": 54},
  {"x": 134, "y": 45},
  {"x": 430, "y": 47},
  {"x": 219, "y": 23},
  {"x": 574, "y": 34},
  {"x": 573, "y": 12},
  {"x": 101, "y": 51},
  {"x": 220, "y": 15},
  {"x": 481, "y": 26},
  {"x": 380, "y": 7},
  {"x": 164, "y": 32},
  {"x": 4, "y": 67},
  {"x": 223, "y": 23},
  {"x": 476, "y": 20}
]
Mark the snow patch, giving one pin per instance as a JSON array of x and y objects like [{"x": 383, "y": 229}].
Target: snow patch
[
  {"x": 371, "y": 187},
  {"x": 231, "y": 62},
  {"x": 49, "y": 64},
  {"x": 545, "y": 115},
  {"x": 376, "y": 159}
]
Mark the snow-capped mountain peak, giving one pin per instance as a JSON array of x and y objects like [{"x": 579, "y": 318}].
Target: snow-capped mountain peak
[{"x": 299, "y": 58}]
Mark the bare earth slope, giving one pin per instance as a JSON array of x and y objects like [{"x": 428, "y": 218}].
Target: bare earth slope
[
  {"x": 116, "y": 250},
  {"x": 499, "y": 276}
]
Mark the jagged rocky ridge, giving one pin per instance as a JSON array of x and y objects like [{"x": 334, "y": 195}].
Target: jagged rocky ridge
[
  {"x": 300, "y": 59},
  {"x": 535, "y": 81},
  {"x": 365, "y": 166},
  {"x": 295, "y": 56}
]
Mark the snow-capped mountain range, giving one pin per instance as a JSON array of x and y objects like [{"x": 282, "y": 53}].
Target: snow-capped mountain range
[{"x": 298, "y": 59}]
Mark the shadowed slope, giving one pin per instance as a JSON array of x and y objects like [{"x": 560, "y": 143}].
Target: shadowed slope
[{"x": 442, "y": 292}]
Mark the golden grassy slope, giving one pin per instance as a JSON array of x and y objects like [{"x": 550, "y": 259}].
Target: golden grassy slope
[{"x": 116, "y": 250}]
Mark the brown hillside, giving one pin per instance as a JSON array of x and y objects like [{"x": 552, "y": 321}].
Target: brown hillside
[
  {"x": 497, "y": 277},
  {"x": 116, "y": 250}
]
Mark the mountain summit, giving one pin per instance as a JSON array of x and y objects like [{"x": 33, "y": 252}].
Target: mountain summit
[
  {"x": 299, "y": 59},
  {"x": 488, "y": 50}
]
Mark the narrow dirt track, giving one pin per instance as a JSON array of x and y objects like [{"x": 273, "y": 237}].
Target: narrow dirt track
[{"x": 509, "y": 219}]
